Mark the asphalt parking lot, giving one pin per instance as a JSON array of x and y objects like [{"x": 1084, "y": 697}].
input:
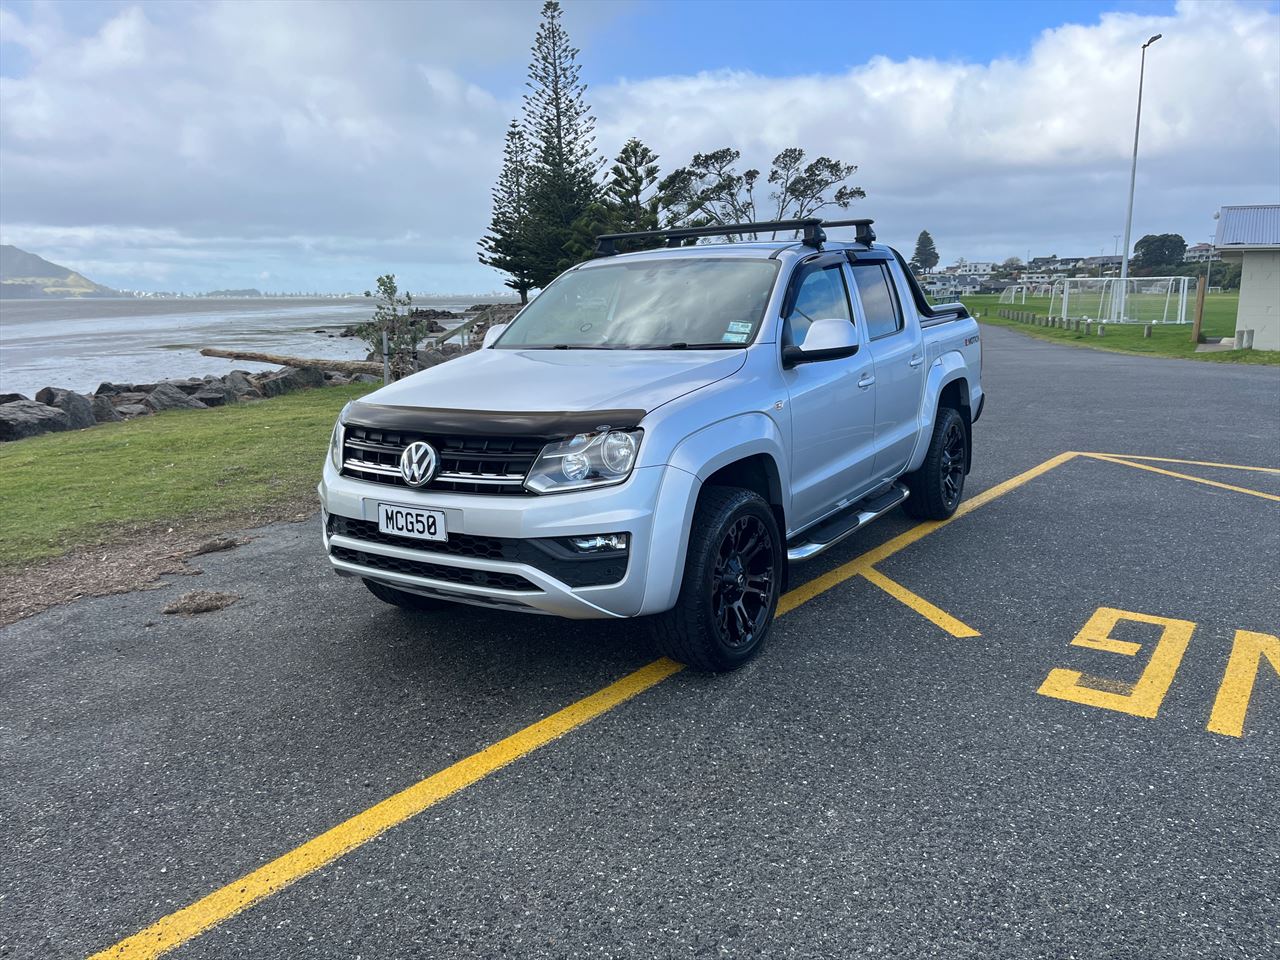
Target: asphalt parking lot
[{"x": 1049, "y": 728}]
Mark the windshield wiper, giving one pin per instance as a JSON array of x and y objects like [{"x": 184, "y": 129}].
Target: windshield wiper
[{"x": 683, "y": 345}]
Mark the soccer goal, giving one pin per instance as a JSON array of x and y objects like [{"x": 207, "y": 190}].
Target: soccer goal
[
  {"x": 1014, "y": 293},
  {"x": 1111, "y": 300}
]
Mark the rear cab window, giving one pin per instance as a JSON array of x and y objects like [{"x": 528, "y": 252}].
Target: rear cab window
[{"x": 880, "y": 303}]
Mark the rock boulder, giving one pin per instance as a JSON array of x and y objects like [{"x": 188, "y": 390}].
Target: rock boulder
[
  {"x": 288, "y": 379},
  {"x": 166, "y": 396},
  {"x": 28, "y": 418},
  {"x": 12, "y": 397},
  {"x": 211, "y": 396},
  {"x": 103, "y": 411},
  {"x": 78, "y": 409},
  {"x": 238, "y": 383}
]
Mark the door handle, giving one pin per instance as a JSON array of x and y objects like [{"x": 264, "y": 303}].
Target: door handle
[
  {"x": 915, "y": 361},
  {"x": 866, "y": 380}
]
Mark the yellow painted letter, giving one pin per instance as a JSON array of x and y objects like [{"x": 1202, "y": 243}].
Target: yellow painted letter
[
  {"x": 1237, "y": 683},
  {"x": 1143, "y": 699}
]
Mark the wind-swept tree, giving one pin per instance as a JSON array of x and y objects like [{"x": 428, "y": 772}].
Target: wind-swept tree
[
  {"x": 801, "y": 189},
  {"x": 710, "y": 190},
  {"x": 561, "y": 134},
  {"x": 926, "y": 256},
  {"x": 506, "y": 246}
]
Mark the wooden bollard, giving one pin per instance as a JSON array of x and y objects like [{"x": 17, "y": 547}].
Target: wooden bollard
[
  {"x": 1146, "y": 332},
  {"x": 1101, "y": 328},
  {"x": 1088, "y": 327}
]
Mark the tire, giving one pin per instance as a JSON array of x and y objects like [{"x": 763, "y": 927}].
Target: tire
[
  {"x": 937, "y": 487},
  {"x": 403, "y": 598},
  {"x": 733, "y": 575}
]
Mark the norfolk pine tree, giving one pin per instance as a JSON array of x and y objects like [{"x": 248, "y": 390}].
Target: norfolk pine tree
[
  {"x": 506, "y": 246},
  {"x": 560, "y": 130},
  {"x": 926, "y": 256},
  {"x": 628, "y": 203}
]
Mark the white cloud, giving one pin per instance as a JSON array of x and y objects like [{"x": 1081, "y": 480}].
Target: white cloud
[
  {"x": 327, "y": 142},
  {"x": 995, "y": 158}
]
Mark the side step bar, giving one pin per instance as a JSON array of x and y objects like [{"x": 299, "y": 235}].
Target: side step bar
[{"x": 830, "y": 532}]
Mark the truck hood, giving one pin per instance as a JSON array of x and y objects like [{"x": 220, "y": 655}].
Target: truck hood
[{"x": 523, "y": 381}]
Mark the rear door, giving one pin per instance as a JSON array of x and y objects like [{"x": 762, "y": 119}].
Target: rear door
[
  {"x": 832, "y": 401},
  {"x": 897, "y": 350}
]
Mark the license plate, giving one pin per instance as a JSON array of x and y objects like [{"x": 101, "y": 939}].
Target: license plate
[{"x": 411, "y": 522}]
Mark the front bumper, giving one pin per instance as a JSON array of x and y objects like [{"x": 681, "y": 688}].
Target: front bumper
[{"x": 649, "y": 584}]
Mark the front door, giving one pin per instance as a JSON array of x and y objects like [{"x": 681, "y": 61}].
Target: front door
[
  {"x": 897, "y": 350},
  {"x": 832, "y": 402}
]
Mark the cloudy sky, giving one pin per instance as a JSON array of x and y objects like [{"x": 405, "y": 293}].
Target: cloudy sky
[{"x": 311, "y": 146}]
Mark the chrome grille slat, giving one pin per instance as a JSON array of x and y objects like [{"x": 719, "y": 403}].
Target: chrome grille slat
[
  {"x": 374, "y": 447},
  {"x": 477, "y": 465},
  {"x": 366, "y": 467}
]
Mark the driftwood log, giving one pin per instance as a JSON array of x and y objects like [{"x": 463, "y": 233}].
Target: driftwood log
[{"x": 349, "y": 367}]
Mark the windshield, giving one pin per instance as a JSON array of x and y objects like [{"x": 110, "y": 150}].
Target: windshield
[{"x": 648, "y": 305}]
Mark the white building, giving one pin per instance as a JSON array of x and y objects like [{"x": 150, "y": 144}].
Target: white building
[
  {"x": 1251, "y": 236},
  {"x": 979, "y": 268},
  {"x": 1199, "y": 253}
]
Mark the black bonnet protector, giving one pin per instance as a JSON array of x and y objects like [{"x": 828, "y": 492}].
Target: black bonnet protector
[{"x": 488, "y": 423}]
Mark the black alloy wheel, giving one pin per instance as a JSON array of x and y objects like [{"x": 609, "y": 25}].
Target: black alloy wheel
[
  {"x": 743, "y": 581},
  {"x": 936, "y": 488},
  {"x": 734, "y": 571},
  {"x": 953, "y": 463}
]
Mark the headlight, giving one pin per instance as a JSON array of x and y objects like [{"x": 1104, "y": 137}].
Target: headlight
[
  {"x": 587, "y": 460},
  {"x": 335, "y": 440}
]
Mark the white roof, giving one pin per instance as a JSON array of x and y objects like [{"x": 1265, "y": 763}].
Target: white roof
[{"x": 1254, "y": 227}]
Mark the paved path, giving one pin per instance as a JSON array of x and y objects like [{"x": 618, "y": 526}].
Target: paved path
[{"x": 872, "y": 786}]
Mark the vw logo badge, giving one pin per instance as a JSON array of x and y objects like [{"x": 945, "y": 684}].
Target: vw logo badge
[{"x": 418, "y": 463}]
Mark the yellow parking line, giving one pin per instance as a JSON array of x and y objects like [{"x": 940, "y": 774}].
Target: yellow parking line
[
  {"x": 1189, "y": 463},
  {"x": 1184, "y": 476},
  {"x": 806, "y": 592},
  {"x": 920, "y": 605},
  {"x": 177, "y": 928}
]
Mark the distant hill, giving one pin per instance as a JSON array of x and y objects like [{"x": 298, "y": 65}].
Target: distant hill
[{"x": 24, "y": 275}]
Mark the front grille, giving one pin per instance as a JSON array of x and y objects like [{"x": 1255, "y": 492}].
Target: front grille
[
  {"x": 553, "y": 557},
  {"x": 488, "y": 465},
  {"x": 435, "y": 571}
]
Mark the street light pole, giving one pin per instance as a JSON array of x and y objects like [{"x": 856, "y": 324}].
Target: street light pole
[{"x": 1133, "y": 177}]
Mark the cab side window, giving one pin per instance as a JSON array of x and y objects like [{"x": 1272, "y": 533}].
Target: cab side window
[
  {"x": 879, "y": 302},
  {"x": 820, "y": 294}
]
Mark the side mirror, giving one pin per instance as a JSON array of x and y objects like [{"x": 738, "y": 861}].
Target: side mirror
[
  {"x": 492, "y": 334},
  {"x": 829, "y": 339}
]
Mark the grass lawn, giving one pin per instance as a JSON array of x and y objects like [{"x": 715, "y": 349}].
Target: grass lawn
[
  {"x": 1167, "y": 340},
  {"x": 65, "y": 490}
]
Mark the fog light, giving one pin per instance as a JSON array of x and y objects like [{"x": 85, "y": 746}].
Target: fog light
[{"x": 600, "y": 542}]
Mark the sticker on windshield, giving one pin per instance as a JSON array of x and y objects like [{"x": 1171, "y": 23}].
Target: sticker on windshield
[
  {"x": 734, "y": 338},
  {"x": 739, "y": 326}
]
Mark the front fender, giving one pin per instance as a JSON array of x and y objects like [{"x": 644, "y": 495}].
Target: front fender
[
  {"x": 947, "y": 369},
  {"x": 695, "y": 459}
]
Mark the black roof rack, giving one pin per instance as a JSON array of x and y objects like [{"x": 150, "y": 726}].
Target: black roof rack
[{"x": 811, "y": 230}]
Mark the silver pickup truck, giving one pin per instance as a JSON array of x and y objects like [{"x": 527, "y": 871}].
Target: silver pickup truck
[{"x": 660, "y": 434}]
